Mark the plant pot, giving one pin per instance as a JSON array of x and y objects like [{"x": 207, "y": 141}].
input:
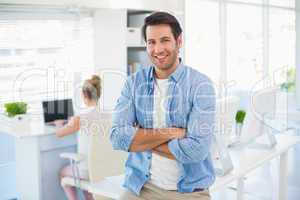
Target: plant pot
[
  {"x": 236, "y": 140},
  {"x": 20, "y": 119},
  {"x": 238, "y": 130}
]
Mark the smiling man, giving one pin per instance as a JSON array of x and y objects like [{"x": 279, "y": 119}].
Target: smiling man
[{"x": 164, "y": 118}]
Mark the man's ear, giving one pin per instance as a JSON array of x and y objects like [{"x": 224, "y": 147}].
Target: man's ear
[{"x": 179, "y": 40}]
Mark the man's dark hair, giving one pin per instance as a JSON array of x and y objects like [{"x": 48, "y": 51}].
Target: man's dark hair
[{"x": 158, "y": 18}]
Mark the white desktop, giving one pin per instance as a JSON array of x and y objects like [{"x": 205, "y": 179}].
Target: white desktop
[{"x": 37, "y": 160}]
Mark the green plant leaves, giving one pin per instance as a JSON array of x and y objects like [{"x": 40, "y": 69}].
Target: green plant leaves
[
  {"x": 240, "y": 116},
  {"x": 15, "y": 108}
]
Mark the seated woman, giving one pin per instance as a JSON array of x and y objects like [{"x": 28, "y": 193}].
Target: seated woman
[{"x": 91, "y": 92}]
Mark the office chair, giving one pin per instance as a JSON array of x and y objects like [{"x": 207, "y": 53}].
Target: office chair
[{"x": 103, "y": 161}]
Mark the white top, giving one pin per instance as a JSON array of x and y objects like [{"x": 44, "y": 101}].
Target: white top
[
  {"x": 164, "y": 171},
  {"x": 89, "y": 119}
]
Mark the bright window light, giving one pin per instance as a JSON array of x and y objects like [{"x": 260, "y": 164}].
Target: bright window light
[{"x": 38, "y": 58}]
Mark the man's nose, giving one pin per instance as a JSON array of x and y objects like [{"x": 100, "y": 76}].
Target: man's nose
[{"x": 158, "y": 48}]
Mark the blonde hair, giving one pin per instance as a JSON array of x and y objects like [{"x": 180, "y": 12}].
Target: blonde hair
[{"x": 92, "y": 88}]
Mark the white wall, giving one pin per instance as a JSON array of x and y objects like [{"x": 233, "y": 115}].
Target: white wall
[{"x": 110, "y": 53}]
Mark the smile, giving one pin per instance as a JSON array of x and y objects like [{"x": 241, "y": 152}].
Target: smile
[{"x": 161, "y": 58}]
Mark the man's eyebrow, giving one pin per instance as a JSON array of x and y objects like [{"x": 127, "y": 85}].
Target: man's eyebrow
[
  {"x": 165, "y": 37},
  {"x": 162, "y": 38}
]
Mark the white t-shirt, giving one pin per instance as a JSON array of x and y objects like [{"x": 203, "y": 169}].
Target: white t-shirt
[{"x": 164, "y": 171}]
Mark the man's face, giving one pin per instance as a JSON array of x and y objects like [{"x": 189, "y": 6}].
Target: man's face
[{"x": 162, "y": 47}]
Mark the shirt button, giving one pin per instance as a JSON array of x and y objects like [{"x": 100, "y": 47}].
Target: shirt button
[
  {"x": 149, "y": 157},
  {"x": 147, "y": 175}
]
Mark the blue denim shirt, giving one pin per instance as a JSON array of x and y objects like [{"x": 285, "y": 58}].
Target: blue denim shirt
[{"x": 190, "y": 105}]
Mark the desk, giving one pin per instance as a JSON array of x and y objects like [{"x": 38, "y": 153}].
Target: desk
[
  {"x": 37, "y": 159},
  {"x": 284, "y": 121},
  {"x": 245, "y": 160}
]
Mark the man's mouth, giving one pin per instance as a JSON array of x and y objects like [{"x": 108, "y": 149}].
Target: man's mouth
[{"x": 161, "y": 58}]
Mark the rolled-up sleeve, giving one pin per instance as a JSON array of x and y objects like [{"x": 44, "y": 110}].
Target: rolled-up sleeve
[
  {"x": 196, "y": 145},
  {"x": 122, "y": 131}
]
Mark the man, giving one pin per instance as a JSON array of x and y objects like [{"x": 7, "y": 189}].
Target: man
[{"x": 164, "y": 119}]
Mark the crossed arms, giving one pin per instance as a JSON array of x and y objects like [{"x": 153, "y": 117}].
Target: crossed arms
[
  {"x": 187, "y": 145},
  {"x": 156, "y": 140}
]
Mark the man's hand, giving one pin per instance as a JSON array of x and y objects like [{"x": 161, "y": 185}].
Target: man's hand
[
  {"x": 163, "y": 149},
  {"x": 176, "y": 133}
]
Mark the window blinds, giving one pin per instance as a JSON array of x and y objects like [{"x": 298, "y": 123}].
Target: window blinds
[{"x": 40, "y": 54}]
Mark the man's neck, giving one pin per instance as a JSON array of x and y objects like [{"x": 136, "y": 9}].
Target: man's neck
[{"x": 164, "y": 74}]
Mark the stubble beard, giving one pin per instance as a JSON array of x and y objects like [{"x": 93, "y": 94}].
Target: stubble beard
[{"x": 167, "y": 66}]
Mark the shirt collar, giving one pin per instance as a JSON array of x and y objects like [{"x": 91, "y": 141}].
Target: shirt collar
[{"x": 174, "y": 76}]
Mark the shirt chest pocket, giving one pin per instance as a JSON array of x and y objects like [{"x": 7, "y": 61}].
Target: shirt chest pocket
[
  {"x": 144, "y": 110},
  {"x": 179, "y": 112}
]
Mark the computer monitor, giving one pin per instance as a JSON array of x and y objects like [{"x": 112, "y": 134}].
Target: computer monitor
[
  {"x": 57, "y": 109},
  {"x": 263, "y": 107}
]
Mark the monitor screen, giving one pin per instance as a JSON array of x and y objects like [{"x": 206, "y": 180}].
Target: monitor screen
[{"x": 57, "y": 109}]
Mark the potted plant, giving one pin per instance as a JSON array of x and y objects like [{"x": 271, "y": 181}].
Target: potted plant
[
  {"x": 286, "y": 97},
  {"x": 289, "y": 84},
  {"x": 239, "y": 121},
  {"x": 15, "y": 109}
]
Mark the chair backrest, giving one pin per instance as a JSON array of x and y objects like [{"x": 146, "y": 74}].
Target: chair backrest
[
  {"x": 226, "y": 109},
  {"x": 263, "y": 102},
  {"x": 103, "y": 161}
]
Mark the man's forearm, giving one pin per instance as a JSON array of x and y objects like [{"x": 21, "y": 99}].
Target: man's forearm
[
  {"x": 164, "y": 151},
  {"x": 147, "y": 139}
]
